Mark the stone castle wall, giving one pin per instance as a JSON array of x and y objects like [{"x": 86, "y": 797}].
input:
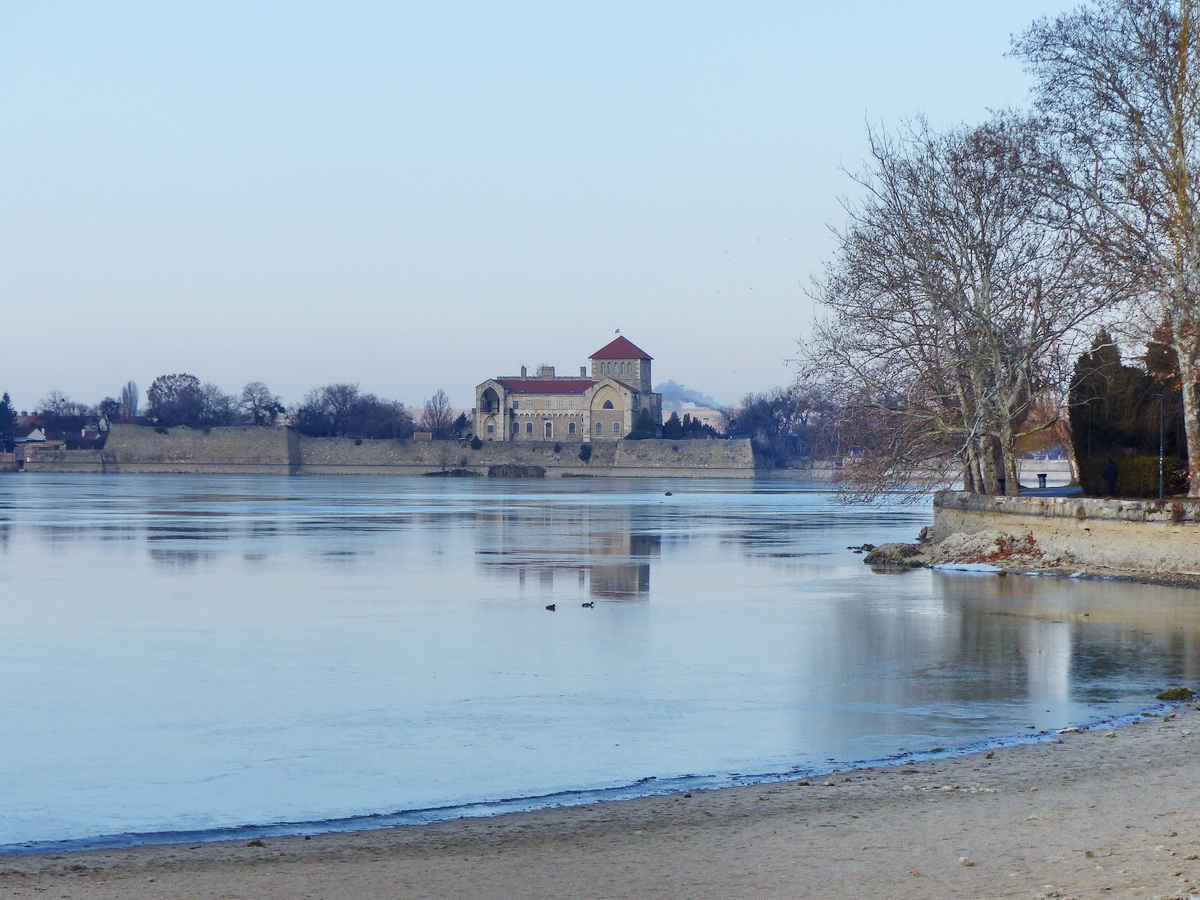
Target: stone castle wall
[
  {"x": 244, "y": 449},
  {"x": 133, "y": 449},
  {"x": 1145, "y": 535}
]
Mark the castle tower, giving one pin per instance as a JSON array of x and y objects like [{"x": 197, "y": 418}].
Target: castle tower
[{"x": 625, "y": 361}]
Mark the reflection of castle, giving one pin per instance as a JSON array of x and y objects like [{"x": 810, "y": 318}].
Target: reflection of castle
[
  {"x": 606, "y": 404},
  {"x": 630, "y": 577},
  {"x": 601, "y": 552}
]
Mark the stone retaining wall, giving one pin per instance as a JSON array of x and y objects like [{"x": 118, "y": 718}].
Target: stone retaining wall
[
  {"x": 133, "y": 449},
  {"x": 1146, "y": 535}
]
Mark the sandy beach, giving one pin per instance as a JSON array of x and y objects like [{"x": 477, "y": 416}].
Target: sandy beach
[{"x": 1100, "y": 813}]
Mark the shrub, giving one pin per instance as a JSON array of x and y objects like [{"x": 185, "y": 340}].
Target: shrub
[
  {"x": 585, "y": 452},
  {"x": 476, "y": 443}
]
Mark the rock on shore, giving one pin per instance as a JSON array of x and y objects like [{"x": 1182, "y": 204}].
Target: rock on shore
[{"x": 911, "y": 556}]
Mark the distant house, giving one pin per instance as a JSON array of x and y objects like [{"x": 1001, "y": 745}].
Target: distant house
[
  {"x": 28, "y": 435},
  {"x": 605, "y": 403}
]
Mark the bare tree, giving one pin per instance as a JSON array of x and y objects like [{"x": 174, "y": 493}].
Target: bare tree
[
  {"x": 438, "y": 418},
  {"x": 129, "y": 398},
  {"x": 1120, "y": 81},
  {"x": 260, "y": 404},
  {"x": 337, "y": 410},
  {"x": 110, "y": 411},
  {"x": 56, "y": 404},
  {"x": 951, "y": 296},
  {"x": 217, "y": 408}
]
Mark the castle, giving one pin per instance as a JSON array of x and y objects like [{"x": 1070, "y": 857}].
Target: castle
[{"x": 605, "y": 404}]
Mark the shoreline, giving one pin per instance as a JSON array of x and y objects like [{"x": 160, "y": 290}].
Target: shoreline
[{"x": 1110, "y": 810}]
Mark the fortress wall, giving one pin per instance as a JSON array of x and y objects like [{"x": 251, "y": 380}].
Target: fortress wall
[
  {"x": 698, "y": 457},
  {"x": 136, "y": 449},
  {"x": 346, "y": 455},
  {"x": 244, "y": 449},
  {"x": 1159, "y": 536},
  {"x": 85, "y": 462}
]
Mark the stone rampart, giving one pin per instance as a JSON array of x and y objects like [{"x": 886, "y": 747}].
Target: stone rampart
[
  {"x": 347, "y": 456},
  {"x": 723, "y": 459},
  {"x": 246, "y": 450},
  {"x": 84, "y": 462},
  {"x": 134, "y": 449},
  {"x": 1146, "y": 535}
]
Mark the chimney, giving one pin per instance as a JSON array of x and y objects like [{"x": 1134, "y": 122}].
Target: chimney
[
  {"x": 522, "y": 371},
  {"x": 583, "y": 371}
]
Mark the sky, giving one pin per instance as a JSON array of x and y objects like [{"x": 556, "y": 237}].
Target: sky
[{"x": 413, "y": 196}]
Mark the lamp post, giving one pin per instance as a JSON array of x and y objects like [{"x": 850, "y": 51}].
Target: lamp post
[{"x": 1160, "y": 446}]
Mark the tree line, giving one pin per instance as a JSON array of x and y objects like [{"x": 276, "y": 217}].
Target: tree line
[
  {"x": 979, "y": 259},
  {"x": 785, "y": 424},
  {"x": 333, "y": 410}
]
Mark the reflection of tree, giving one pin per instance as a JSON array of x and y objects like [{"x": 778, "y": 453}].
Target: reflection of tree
[
  {"x": 608, "y": 548},
  {"x": 980, "y": 639}
]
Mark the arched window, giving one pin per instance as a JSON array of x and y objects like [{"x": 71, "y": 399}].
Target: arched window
[
  {"x": 608, "y": 404},
  {"x": 549, "y": 430},
  {"x": 571, "y": 428}
]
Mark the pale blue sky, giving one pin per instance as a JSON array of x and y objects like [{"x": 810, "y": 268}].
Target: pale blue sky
[{"x": 423, "y": 195}]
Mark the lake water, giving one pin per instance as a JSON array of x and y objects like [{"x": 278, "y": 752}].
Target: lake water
[{"x": 196, "y": 657}]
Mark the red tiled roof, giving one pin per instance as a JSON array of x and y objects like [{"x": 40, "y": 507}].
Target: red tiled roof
[
  {"x": 621, "y": 348},
  {"x": 546, "y": 385},
  {"x": 554, "y": 385}
]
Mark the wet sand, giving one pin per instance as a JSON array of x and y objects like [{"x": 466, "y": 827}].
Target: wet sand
[{"x": 1103, "y": 813}]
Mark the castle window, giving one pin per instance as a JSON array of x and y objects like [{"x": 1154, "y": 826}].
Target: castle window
[
  {"x": 529, "y": 428},
  {"x": 516, "y": 427},
  {"x": 560, "y": 404},
  {"x": 599, "y": 428},
  {"x": 549, "y": 404},
  {"x": 549, "y": 430},
  {"x": 491, "y": 429},
  {"x": 516, "y": 403},
  {"x": 608, "y": 404},
  {"x": 571, "y": 428},
  {"x": 570, "y": 404},
  {"x": 529, "y": 404},
  {"x": 616, "y": 427}
]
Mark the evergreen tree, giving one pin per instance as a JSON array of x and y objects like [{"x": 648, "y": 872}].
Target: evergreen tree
[
  {"x": 8, "y": 423},
  {"x": 1115, "y": 408}
]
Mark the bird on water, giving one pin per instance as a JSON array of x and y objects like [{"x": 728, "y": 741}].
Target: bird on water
[{"x": 551, "y": 607}]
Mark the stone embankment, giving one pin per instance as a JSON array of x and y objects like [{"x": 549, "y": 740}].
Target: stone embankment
[
  {"x": 133, "y": 449},
  {"x": 1145, "y": 539}
]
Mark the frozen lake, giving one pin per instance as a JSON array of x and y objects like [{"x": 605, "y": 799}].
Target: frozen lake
[{"x": 188, "y": 654}]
